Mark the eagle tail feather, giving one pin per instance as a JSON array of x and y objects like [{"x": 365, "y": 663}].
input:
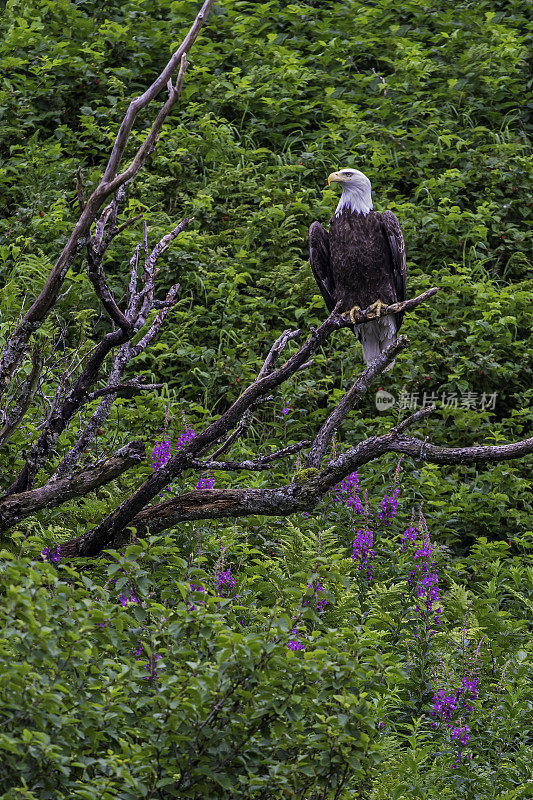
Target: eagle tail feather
[{"x": 375, "y": 336}]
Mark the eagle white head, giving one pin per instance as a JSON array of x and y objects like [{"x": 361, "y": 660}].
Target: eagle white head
[{"x": 356, "y": 191}]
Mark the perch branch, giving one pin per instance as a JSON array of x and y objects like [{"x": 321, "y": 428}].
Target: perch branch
[
  {"x": 99, "y": 537},
  {"x": 357, "y": 317}
]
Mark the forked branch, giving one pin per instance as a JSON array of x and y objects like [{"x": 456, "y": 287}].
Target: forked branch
[{"x": 16, "y": 346}]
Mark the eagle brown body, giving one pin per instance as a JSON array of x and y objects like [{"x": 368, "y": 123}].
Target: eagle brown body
[{"x": 360, "y": 261}]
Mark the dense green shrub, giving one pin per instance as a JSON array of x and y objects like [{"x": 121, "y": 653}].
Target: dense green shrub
[
  {"x": 239, "y": 667},
  {"x": 143, "y": 688}
]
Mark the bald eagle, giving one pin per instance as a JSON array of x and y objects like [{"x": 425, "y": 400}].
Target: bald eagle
[{"x": 361, "y": 261}]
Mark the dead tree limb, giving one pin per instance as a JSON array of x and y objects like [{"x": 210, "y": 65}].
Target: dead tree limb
[
  {"x": 282, "y": 500},
  {"x": 252, "y": 465},
  {"x": 22, "y": 505},
  {"x": 23, "y": 401},
  {"x": 78, "y": 395},
  {"x": 295, "y": 498},
  {"x": 80, "y": 372},
  {"x": 111, "y": 527},
  {"x": 350, "y": 400},
  {"x": 16, "y": 346}
]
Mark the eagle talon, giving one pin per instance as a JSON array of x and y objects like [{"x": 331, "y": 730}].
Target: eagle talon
[
  {"x": 352, "y": 313},
  {"x": 374, "y": 311}
]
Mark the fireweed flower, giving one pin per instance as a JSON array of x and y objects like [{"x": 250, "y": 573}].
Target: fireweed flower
[
  {"x": 294, "y": 644},
  {"x": 389, "y": 507},
  {"x": 225, "y": 583},
  {"x": 319, "y": 598},
  {"x": 347, "y": 492},
  {"x": 205, "y": 483},
  {"x": 125, "y": 599},
  {"x": 451, "y": 711},
  {"x": 196, "y": 588},
  {"x": 150, "y": 667},
  {"x": 362, "y": 554},
  {"x": 52, "y": 556},
  {"x": 186, "y": 436},
  {"x": 423, "y": 580},
  {"x": 409, "y": 537},
  {"x": 160, "y": 454}
]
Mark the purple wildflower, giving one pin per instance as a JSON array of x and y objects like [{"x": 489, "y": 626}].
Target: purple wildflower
[
  {"x": 124, "y": 600},
  {"x": 363, "y": 555},
  {"x": 196, "y": 588},
  {"x": 389, "y": 507},
  {"x": 225, "y": 583},
  {"x": 319, "y": 597},
  {"x": 424, "y": 579},
  {"x": 347, "y": 492},
  {"x": 186, "y": 436},
  {"x": 205, "y": 483},
  {"x": 160, "y": 454},
  {"x": 461, "y": 733},
  {"x": 444, "y": 706},
  {"x": 286, "y": 407},
  {"x": 294, "y": 644},
  {"x": 452, "y": 710},
  {"x": 150, "y": 667},
  {"x": 409, "y": 537},
  {"x": 52, "y": 556}
]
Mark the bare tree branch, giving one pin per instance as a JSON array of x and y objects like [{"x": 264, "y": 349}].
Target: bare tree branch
[
  {"x": 78, "y": 395},
  {"x": 16, "y": 346},
  {"x": 127, "y": 389},
  {"x": 254, "y": 465},
  {"x": 406, "y": 305},
  {"x": 268, "y": 365},
  {"x": 103, "y": 292},
  {"x": 295, "y": 498},
  {"x": 98, "y": 538},
  {"x": 350, "y": 400},
  {"x": 61, "y": 415},
  {"x": 99, "y": 416},
  {"x": 19, "y": 506},
  {"x": 482, "y": 454},
  {"x": 26, "y": 395}
]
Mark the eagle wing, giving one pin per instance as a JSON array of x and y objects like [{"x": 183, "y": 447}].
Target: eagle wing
[
  {"x": 399, "y": 261},
  {"x": 320, "y": 263}
]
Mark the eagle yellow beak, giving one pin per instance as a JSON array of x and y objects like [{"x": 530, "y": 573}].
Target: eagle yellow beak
[{"x": 335, "y": 176}]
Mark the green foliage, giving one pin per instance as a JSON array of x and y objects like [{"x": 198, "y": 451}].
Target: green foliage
[
  {"x": 127, "y": 679},
  {"x": 223, "y": 709}
]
